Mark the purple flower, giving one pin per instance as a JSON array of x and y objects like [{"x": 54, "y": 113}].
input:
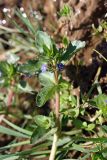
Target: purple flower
[
  {"x": 60, "y": 66},
  {"x": 106, "y": 100},
  {"x": 44, "y": 68}
]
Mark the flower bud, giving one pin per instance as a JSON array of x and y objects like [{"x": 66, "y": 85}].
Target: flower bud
[{"x": 60, "y": 66}]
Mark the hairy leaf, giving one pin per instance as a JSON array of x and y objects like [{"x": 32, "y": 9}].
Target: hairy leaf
[
  {"x": 42, "y": 121},
  {"x": 72, "y": 48},
  {"x": 43, "y": 40},
  {"x": 30, "y": 68},
  {"x": 45, "y": 94},
  {"x": 47, "y": 79}
]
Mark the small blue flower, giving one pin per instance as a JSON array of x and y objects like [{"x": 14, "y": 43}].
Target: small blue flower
[
  {"x": 44, "y": 68},
  {"x": 60, "y": 66},
  {"x": 106, "y": 100}
]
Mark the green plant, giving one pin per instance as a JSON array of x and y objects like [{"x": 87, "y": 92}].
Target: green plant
[
  {"x": 65, "y": 10},
  {"x": 102, "y": 28},
  {"x": 61, "y": 132}
]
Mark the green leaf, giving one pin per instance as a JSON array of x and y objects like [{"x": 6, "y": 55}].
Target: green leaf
[
  {"x": 47, "y": 79},
  {"x": 72, "y": 132},
  {"x": 77, "y": 123},
  {"x": 95, "y": 140},
  {"x": 74, "y": 112},
  {"x": 64, "y": 140},
  {"x": 45, "y": 94},
  {"x": 31, "y": 67},
  {"x": 10, "y": 157},
  {"x": 33, "y": 151},
  {"x": 11, "y": 132},
  {"x": 15, "y": 24},
  {"x": 43, "y": 40},
  {"x": 15, "y": 145},
  {"x": 80, "y": 148},
  {"x": 37, "y": 154},
  {"x": 48, "y": 52},
  {"x": 43, "y": 121},
  {"x": 65, "y": 11},
  {"x": 101, "y": 102},
  {"x": 26, "y": 21},
  {"x": 98, "y": 156},
  {"x": 90, "y": 127},
  {"x": 84, "y": 125},
  {"x": 72, "y": 49},
  {"x": 73, "y": 100},
  {"x": 104, "y": 127},
  {"x": 85, "y": 157},
  {"x": 6, "y": 69},
  {"x": 37, "y": 134},
  {"x": 71, "y": 112},
  {"x": 65, "y": 41},
  {"x": 17, "y": 127}
]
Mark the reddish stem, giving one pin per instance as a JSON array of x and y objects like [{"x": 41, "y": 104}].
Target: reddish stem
[
  {"x": 57, "y": 105},
  {"x": 57, "y": 97},
  {"x": 10, "y": 97}
]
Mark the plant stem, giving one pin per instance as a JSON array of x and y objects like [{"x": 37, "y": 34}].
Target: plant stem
[
  {"x": 57, "y": 107},
  {"x": 57, "y": 97},
  {"x": 54, "y": 147},
  {"x": 100, "y": 54},
  {"x": 96, "y": 80},
  {"x": 10, "y": 97}
]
